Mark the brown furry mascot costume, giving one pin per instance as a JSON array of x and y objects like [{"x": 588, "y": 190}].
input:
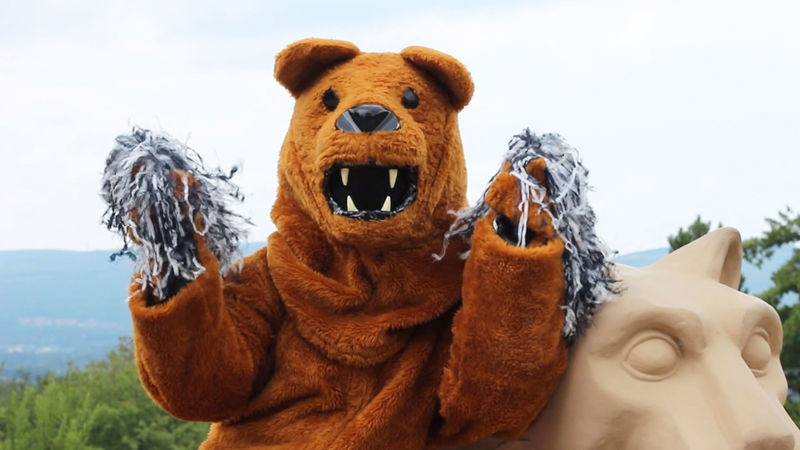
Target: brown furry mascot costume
[{"x": 353, "y": 328}]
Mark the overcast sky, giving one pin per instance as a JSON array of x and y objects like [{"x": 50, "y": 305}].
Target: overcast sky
[{"x": 677, "y": 108}]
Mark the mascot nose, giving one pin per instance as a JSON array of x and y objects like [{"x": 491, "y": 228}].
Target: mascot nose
[{"x": 367, "y": 118}]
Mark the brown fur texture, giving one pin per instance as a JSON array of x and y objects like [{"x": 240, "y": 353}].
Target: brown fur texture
[{"x": 346, "y": 333}]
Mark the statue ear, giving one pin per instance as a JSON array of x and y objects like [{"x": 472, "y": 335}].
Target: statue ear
[
  {"x": 445, "y": 69},
  {"x": 299, "y": 64},
  {"x": 717, "y": 255}
]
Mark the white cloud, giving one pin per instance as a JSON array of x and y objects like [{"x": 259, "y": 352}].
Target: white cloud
[
  {"x": 678, "y": 108},
  {"x": 46, "y": 349},
  {"x": 61, "y": 322},
  {"x": 40, "y": 350}
]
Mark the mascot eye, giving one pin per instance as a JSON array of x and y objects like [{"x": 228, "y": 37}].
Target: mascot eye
[
  {"x": 757, "y": 353},
  {"x": 410, "y": 99},
  {"x": 653, "y": 358},
  {"x": 330, "y": 99}
]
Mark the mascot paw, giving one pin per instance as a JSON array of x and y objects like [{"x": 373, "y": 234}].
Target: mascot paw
[
  {"x": 518, "y": 199},
  {"x": 539, "y": 194},
  {"x": 163, "y": 200}
]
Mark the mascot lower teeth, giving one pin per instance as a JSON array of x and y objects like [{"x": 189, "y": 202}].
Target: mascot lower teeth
[{"x": 374, "y": 317}]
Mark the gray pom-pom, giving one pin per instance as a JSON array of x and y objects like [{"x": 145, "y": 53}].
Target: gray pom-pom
[
  {"x": 139, "y": 187},
  {"x": 586, "y": 260}
]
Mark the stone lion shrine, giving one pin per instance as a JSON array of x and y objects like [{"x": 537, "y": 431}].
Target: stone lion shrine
[{"x": 680, "y": 360}]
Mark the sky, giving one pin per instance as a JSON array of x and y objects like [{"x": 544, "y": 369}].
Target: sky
[{"x": 678, "y": 108}]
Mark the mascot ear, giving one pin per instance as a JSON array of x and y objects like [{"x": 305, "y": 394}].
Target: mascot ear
[
  {"x": 299, "y": 64},
  {"x": 445, "y": 69}
]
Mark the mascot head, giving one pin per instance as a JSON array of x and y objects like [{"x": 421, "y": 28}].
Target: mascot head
[{"x": 372, "y": 157}]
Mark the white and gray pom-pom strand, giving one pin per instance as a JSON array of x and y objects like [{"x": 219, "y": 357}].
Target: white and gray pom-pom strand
[
  {"x": 139, "y": 190},
  {"x": 587, "y": 260}
]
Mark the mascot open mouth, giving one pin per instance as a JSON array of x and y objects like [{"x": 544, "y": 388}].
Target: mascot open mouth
[{"x": 370, "y": 191}]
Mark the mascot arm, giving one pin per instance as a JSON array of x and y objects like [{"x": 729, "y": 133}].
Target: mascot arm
[
  {"x": 203, "y": 352},
  {"x": 202, "y": 343},
  {"x": 507, "y": 353}
]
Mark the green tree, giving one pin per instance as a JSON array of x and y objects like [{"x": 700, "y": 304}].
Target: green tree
[
  {"x": 100, "y": 406},
  {"x": 695, "y": 230},
  {"x": 783, "y": 230}
]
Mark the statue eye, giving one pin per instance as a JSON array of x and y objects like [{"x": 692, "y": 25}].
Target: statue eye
[
  {"x": 653, "y": 358},
  {"x": 757, "y": 353},
  {"x": 410, "y": 99},
  {"x": 330, "y": 99}
]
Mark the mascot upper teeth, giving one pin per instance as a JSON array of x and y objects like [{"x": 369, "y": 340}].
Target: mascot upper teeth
[{"x": 353, "y": 328}]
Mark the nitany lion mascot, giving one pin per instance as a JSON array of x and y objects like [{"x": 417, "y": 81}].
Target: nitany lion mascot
[{"x": 373, "y": 318}]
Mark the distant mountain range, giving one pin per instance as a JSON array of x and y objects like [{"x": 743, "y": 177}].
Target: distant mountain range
[{"x": 60, "y": 306}]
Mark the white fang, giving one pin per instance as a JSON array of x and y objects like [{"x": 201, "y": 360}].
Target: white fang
[
  {"x": 345, "y": 173},
  {"x": 392, "y": 178},
  {"x": 387, "y": 205},
  {"x": 351, "y": 206}
]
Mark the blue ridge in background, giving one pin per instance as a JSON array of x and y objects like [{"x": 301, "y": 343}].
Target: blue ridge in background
[{"x": 61, "y": 306}]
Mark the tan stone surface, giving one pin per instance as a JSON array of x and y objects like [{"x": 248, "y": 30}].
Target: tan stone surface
[{"x": 680, "y": 360}]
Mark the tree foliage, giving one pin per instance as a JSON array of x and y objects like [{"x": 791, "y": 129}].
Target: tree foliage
[
  {"x": 695, "y": 230},
  {"x": 101, "y": 406},
  {"x": 785, "y": 230}
]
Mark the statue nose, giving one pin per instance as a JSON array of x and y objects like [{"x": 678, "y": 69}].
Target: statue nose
[
  {"x": 366, "y": 118},
  {"x": 751, "y": 415}
]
